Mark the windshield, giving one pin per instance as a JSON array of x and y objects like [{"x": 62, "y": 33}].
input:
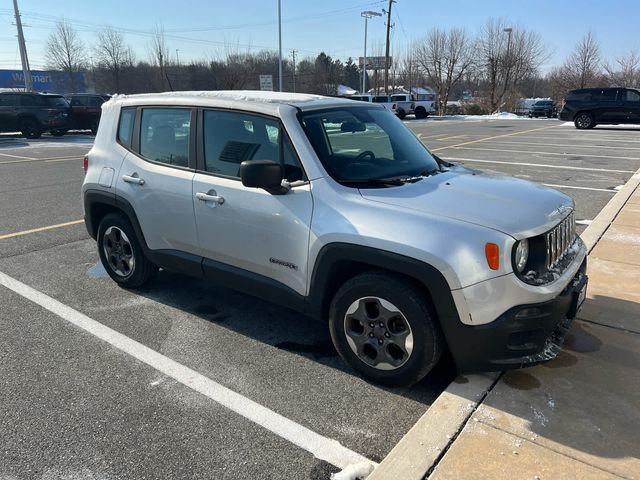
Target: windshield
[
  {"x": 543, "y": 103},
  {"x": 360, "y": 144},
  {"x": 57, "y": 101}
]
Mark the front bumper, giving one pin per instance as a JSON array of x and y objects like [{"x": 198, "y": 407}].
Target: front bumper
[{"x": 522, "y": 336}]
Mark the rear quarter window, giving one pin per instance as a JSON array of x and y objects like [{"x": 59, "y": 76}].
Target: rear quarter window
[{"x": 125, "y": 127}]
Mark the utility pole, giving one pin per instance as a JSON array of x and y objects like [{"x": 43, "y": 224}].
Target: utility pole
[
  {"x": 293, "y": 54},
  {"x": 26, "y": 72},
  {"x": 386, "y": 55},
  {"x": 279, "y": 45},
  {"x": 177, "y": 56}
]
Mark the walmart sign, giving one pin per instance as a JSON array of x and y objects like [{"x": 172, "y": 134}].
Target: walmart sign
[{"x": 42, "y": 81}]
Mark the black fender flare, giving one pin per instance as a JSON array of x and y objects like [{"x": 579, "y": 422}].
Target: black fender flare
[{"x": 333, "y": 255}]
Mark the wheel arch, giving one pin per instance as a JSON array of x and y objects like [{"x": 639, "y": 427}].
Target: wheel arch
[
  {"x": 98, "y": 203},
  {"x": 338, "y": 262}
]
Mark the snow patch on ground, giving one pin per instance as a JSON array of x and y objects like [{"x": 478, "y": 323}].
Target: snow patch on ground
[
  {"x": 458, "y": 118},
  {"x": 584, "y": 222},
  {"x": 358, "y": 471},
  {"x": 623, "y": 237},
  {"x": 618, "y": 188},
  {"x": 97, "y": 271}
]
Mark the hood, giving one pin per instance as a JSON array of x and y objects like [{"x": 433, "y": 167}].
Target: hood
[{"x": 516, "y": 207}]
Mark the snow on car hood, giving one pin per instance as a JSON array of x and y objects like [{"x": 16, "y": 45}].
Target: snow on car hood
[{"x": 512, "y": 206}]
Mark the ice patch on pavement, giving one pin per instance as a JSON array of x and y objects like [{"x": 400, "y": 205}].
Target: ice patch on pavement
[
  {"x": 539, "y": 417},
  {"x": 357, "y": 471},
  {"x": 97, "y": 271}
]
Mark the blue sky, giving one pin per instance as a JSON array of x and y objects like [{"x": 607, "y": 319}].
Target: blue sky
[{"x": 205, "y": 29}]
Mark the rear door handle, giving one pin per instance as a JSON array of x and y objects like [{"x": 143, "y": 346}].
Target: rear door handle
[
  {"x": 205, "y": 197},
  {"x": 133, "y": 179}
]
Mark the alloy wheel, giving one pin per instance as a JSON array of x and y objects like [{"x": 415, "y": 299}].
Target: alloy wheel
[
  {"x": 378, "y": 333},
  {"x": 118, "y": 252}
]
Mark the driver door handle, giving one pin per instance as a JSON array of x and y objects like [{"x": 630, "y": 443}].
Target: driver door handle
[{"x": 205, "y": 197}]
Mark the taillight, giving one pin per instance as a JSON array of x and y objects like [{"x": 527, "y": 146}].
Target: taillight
[{"x": 86, "y": 163}]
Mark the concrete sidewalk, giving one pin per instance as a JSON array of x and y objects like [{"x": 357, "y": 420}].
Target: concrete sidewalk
[{"x": 578, "y": 416}]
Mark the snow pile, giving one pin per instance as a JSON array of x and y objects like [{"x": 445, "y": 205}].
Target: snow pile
[{"x": 357, "y": 471}]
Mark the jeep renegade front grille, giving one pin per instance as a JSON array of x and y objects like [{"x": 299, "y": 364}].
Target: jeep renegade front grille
[{"x": 559, "y": 239}]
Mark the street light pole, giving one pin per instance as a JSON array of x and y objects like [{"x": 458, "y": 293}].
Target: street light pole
[
  {"x": 366, "y": 15},
  {"x": 508, "y": 30},
  {"x": 279, "y": 45},
  {"x": 177, "y": 56}
]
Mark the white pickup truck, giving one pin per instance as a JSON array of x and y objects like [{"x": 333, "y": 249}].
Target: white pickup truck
[
  {"x": 419, "y": 108},
  {"x": 399, "y": 107}
]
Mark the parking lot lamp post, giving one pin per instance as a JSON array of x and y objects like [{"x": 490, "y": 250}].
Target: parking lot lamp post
[
  {"x": 366, "y": 15},
  {"x": 507, "y": 30},
  {"x": 279, "y": 46}
]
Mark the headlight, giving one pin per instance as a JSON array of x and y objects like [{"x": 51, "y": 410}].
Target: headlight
[{"x": 522, "y": 255}]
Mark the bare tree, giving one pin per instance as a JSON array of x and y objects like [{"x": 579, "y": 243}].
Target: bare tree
[
  {"x": 507, "y": 56},
  {"x": 112, "y": 54},
  {"x": 580, "y": 70},
  {"x": 625, "y": 72},
  {"x": 444, "y": 56},
  {"x": 65, "y": 52},
  {"x": 160, "y": 53},
  {"x": 585, "y": 61}
]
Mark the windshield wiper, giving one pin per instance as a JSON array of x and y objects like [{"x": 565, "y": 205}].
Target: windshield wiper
[{"x": 391, "y": 181}]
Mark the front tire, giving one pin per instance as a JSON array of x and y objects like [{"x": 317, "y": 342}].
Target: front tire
[
  {"x": 383, "y": 327},
  {"x": 121, "y": 253},
  {"x": 584, "y": 120}
]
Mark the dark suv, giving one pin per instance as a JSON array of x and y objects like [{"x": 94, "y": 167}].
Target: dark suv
[
  {"x": 33, "y": 113},
  {"x": 587, "y": 107},
  {"x": 86, "y": 110},
  {"x": 543, "y": 108}
]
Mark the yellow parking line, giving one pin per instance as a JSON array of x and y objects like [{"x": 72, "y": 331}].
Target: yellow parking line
[
  {"x": 40, "y": 229},
  {"x": 45, "y": 160},
  {"x": 491, "y": 138},
  {"x": 449, "y": 138}
]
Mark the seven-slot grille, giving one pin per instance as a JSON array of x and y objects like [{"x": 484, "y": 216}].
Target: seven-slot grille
[{"x": 559, "y": 239}]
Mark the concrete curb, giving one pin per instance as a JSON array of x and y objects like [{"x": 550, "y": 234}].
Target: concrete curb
[
  {"x": 600, "y": 224},
  {"x": 421, "y": 448},
  {"x": 427, "y": 441}
]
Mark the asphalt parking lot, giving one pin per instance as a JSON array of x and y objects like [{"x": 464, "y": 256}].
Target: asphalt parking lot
[{"x": 74, "y": 404}]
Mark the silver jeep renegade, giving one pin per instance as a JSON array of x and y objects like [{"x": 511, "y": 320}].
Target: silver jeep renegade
[{"x": 335, "y": 209}]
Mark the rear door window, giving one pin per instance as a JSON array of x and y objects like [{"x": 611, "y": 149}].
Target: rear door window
[
  {"x": 608, "y": 95},
  {"x": 164, "y": 135}
]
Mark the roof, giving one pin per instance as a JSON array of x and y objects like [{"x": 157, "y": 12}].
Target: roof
[{"x": 234, "y": 98}]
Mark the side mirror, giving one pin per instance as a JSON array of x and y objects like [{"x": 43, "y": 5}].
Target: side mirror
[{"x": 265, "y": 174}]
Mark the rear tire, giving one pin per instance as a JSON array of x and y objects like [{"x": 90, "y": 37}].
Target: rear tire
[
  {"x": 401, "y": 114},
  {"x": 584, "y": 120},
  {"x": 383, "y": 326},
  {"x": 30, "y": 129},
  {"x": 94, "y": 128},
  {"x": 421, "y": 112},
  {"x": 121, "y": 253}
]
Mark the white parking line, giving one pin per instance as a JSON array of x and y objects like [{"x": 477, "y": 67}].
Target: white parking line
[
  {"x": 573, "y": 145},
  {"x": 321, "y": 447},
  {"x": 45, "y": 160},
  {"x": 16, "y": 156},
  {"x": 546, "y": 153},
  {"x": 541, "y": 165},
  {"x": 580, "y": 188},
  {"x": 586, "y": 138}
]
